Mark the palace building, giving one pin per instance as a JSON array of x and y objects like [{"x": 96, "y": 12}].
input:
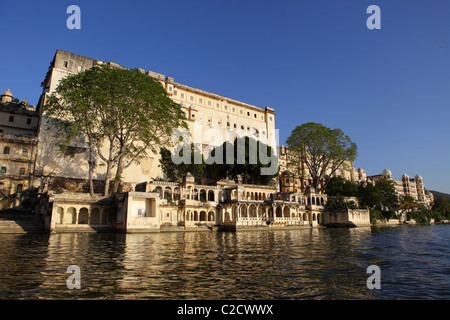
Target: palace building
[
  {"x": 413, "y": 187},
  {"x": 295, "y": 178},
  {"x": 207, "y": 115},
  {"x": 18, "y": 147}
]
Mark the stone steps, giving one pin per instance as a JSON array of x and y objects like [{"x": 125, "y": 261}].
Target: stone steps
[{"x": 11, "y": 223}]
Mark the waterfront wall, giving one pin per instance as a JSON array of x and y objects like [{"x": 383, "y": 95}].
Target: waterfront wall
[{"x": 347, "y": 218}]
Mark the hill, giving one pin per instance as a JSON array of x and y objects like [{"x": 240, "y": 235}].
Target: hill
[{"x": 437, "y": 194}]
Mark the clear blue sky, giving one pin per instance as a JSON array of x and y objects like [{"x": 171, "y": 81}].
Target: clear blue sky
[{"x": 311, "y": 60}]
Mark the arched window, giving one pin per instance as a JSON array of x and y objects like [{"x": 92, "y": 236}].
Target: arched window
[
  {"x": 6, "y": 150},
  {"x": 19, "y": 188}
]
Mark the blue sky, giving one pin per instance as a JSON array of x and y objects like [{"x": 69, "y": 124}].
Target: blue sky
[{"x": 310, "y": 60}]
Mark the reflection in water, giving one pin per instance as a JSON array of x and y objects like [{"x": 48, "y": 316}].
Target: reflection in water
[{"x": 296, "y": 264}]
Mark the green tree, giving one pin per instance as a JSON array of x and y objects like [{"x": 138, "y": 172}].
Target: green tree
[
  {"x": 369, "y": 195},
  {"x": 322, "y": 150},
  {"x": 246, "y": 161},
  {"x": 129, "y": 112},
  {"x": 176, "y": 172},
  {"x": 338, "y": 202},
  {"x": 341, "y": 186},
  {"x": 407, "y": 202},
  {"x": 388, "y": 194},
  {"x": 441, "y": 205}
]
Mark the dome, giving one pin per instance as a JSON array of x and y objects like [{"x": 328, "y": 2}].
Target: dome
[
  {"x": 7, "y": 93},
  {"x": 418, "y": 177},
  {"x": 7, "y": 96},
  {"x": 405, "y": 176},
  {"x": 387, "y": 172}
]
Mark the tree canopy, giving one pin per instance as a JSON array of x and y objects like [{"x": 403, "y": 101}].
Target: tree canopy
[
  {"x": 322, "y": 150},
  {"x": 231, "y": 160},
  {"x": 124, "y": 114}
]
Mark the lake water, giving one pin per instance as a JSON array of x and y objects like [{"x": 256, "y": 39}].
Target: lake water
[{"x": 297, "y": 264}]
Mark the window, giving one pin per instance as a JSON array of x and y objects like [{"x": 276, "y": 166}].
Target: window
[
  {"x": 65, "y": 64},
  {"x": 255, "y": 115},
  {"x": 19, "y": 188},
  {"x": 21, "y": 171},
  {"x": 240, "y": 111},
  {"x": 24, "y": 151},
  {"x": 248, "y": 114},
  {"x": 192, "y": 98},
  {"x": 175, "y": 92},
  {"x": 193, "y": 115},
  {"x": 225, "y": 107},
  {"x": 28, "y": 120},
  {"x": 200, "y": 100},
  {"x": 170, "y": 88},
  {"x": 182, "y": 95},
  {"x": 234, "y": 109},
  {"x": 217, "y": 105},
  {"x": 209, "y": 103},
  {"x": 6, "y": 150},
  {"x": 80, "y": 68},
  {"x": 11, "y": 118},
  {"x": 3, "y": 170}
]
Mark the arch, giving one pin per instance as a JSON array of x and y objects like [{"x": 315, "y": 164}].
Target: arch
[
  {"x": 195, "y": 216},
  {"x": 202, "y": 195},
  {"x": 262, "y": 212},
  {"x": 287, "y": 212},
  {"x": 243, "y": 211},
  {"x": 176, "y": 193},
  {"x": 168, "y": 193},
  {"x": 252, "y": 211},
  {"x": 279, "y": 212},
  {"x": 211, "y": 195},
  {"x": 83, "y": 216},
  {"x": 71, "y": 216},
  {"x": 234, "y": 195},
  {"x": 235, "y": 213},
  {"x": 314, "y": 217},
  {"x": 19, "y": 188},
  {"x": 203, "y": 216},
  {"x": 211, "y": 216},
  {"x": 105, "y": 216},
  {"x": 188, "y": 194},
  {"x": 317, "y": 201},
  {"x": 322, "y": 202},
  {"x": 159, "y": 190},
  {"x": 270, "y": 213},
  {"x": 309, "y": 201},
  {"x": 59, "y": 215},
  {"x": 305, "y": 217},
  {"x": 95, "y": 216},
  {"x": 195, "y": 194}
]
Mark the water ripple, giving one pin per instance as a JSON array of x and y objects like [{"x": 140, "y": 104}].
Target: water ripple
[{"x": 295, "y": 264}]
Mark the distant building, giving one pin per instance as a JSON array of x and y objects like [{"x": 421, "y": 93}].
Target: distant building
[
  {"x": 18, "y": 146},
  {"x": 297, "y": 179},
  {"x": 407, "y": 186}
]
